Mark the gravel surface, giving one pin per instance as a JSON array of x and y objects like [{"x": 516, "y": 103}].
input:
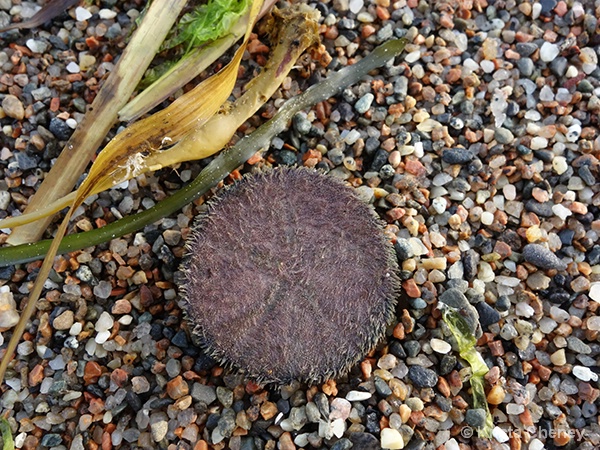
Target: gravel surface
[{"x": 479, "y": 148}]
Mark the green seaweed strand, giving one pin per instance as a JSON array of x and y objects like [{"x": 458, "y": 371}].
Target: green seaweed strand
[{"x": 466, "y": 347}]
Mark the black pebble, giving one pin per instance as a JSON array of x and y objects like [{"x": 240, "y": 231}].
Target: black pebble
[
  {"x": 364, "y": 441},
  {"x": 286, "y": 158},
  {"x": 457, "y": 156},
  {"x": 487, "y": 314},
  {"x": 379, "y": 160},
  {"x": 372, "y": 425},
  {"x": 422, "y": 377},
  {"x": 60, "y": 129},
  {"x": 133, "y": 400},
  {"x": 180, "y": 339}
]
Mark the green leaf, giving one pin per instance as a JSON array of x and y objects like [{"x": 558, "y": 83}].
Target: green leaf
[
  {"x": 466, "y": 348},
  {"x": 207, "y": 23},
  {"x": 7, "y": 439}
]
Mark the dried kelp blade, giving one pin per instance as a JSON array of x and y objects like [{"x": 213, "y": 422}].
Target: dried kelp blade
[
  {"x": 466, "y": 347},
  {"x": 101, "y": 116},
  {"x": 122, "y": 158},
  {"x": 294, "y": 29}
]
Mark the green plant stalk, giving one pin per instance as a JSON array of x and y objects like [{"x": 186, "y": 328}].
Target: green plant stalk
[
  {"x": 223, "y": 164},
  {"x": 101, "y": 116},
  {"x": 466, "y": 347}
]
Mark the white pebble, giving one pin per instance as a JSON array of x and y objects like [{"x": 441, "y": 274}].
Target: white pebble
[
  {"x": 546, "y": 94},
  {"x": 584, "y": 373},
  {"x": 75, "y": 329},
  {"x": 549, "y": 51},
  {"x": 338, "y": 427},
  {"x": 391, "y": 439},
  {"x": 102, "y": 337},
  {"x": 82, "y": 14},
  {"x": 487, "y": 66},
  {"x": 485, "y": 272},
  {"x": 20, "y": 440},
  {"x": 107, "y": 14},
  {"x": 105, "y": 322},
  {"x": 125, "y": 320},
  {"x": 36, "y": 46},
  {"x": 358, "y": 396},
  {"x": 538, "y": 142},
  {"x": 356, "y": 5},
  {"x": 561, "y": 211},
  {"x": 594, "y": 293},
  {"x": 71, "y": 123},
  {"x": 524, "y": 310},
  {"x": 413, "y": 56},
  {"x": 559, "y": 164},
  {"x": 439, "y": 204},
  {"x": 73, "y": 67},
  {"x": 440, "y": 346},
  {"x": 536, "y": 444},
  {"x": 574, "y": 132},
  {"x": 593, "y": 323},
  {"x": 500, "y": 435},
  {"x": 487, "y": 218},
  {"x": 301, "y": 440},
  {"x": 571, "y": 72},
  {"x": 452, "y": 445},
  {"x": 510, "y": 192},
  {"x": 589, "y": 58},
  {"x": 559, "y": 314}
]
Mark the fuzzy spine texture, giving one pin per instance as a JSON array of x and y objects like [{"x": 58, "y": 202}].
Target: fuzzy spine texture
[{"x": 288, "y": 276}]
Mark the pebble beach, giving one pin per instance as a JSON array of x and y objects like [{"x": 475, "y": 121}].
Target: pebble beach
[{"x": 478, "y": 148}]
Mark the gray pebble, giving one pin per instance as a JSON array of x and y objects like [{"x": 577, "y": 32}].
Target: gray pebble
[
  {"x": 363, "y": 104},
  {"x": 41, "y": 94},
  {"x": 342, "y": 444},
  {"x": 542, "y": 257},
  {"x": 51, "y": 440},
  {"x": 103, "y": 289},
  {"x": 204, "y": 394},
  {"x": 503, "y": 136},
  {"x": 226, "y": 423},
  {"x": 301, "y": 124},
  {"x": 576, "y": 345},
  {"x": 526, "y": 66}
]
